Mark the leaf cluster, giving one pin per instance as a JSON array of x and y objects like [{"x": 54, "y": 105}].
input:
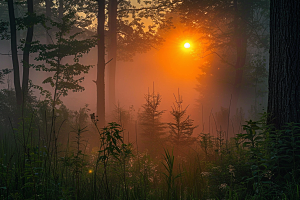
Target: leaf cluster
[
  {"x": 4, "y": 34},
  {"x": 65, "y": 45},
  {"x": 112, "y": 143},
  {"x": 4, "y": 72}
]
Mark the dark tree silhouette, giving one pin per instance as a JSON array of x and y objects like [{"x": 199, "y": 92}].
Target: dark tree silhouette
[
  {"x": 284, "y": 71},
  {"x": 112, "y": 50},
  {"x": 150, "y": 120},
  {"x": 29, "y": 23},
  {"x": 14, "y": 51},
  {"x": 27, "y": 48},
  {"x": 48, "y": 5},
  {"x": 182, "y": 128},
  {"x": 126, "y": 38},
  {"x": 101, "y": 64}
]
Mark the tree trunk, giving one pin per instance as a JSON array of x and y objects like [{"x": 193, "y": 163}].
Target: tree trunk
[
  {"x": 240, "y": 34},
  {"x": 26, "y": 52},
  {"x": 61, "y": 9},
  {"x": 14, "y": 51},
  {"x": 48, "y": 15},
  {"x": 284, "y": 71},
  {"x": 101, "y": 64},
  {"x": 112, "y": 51}
]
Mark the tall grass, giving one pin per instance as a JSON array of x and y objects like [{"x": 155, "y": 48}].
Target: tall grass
[{"x": 258, "y": 163}]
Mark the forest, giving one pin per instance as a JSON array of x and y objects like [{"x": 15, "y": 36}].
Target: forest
[{"x": 150, "y": 99}]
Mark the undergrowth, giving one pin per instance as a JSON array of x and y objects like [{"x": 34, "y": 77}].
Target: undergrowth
[{"x": 258, "y": 163}]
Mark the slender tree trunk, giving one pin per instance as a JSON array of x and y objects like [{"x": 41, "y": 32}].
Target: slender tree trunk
[
  {"x": 241, "y": 50},
  {"x": 14, "y": 51},
  {"x": 48, "y": 15},
  {"x": 112, "y": 51},
  {"x": 61, "y": 9},
  {"x": 240, "y": 34},
  {"x": 26, "y": 52},
  {"x": 284, "y": 71},
  {"x": 101, "y": 64}
]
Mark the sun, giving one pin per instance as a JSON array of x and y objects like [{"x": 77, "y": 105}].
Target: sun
[{"x": 187, "y": 45}]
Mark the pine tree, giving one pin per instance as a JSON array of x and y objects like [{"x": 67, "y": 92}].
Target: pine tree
[
  {"x": 150, "y": 120},
  {"x": 181, "y": 129}
]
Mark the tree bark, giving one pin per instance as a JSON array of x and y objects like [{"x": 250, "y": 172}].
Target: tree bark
[
  {"x": 101, "y": 64},
  {"x": 14, "y": 51},
  {"x": 284, "y": 71},
  {"x": 26, "y": 52},
  {"x": 112, "y": 51}
]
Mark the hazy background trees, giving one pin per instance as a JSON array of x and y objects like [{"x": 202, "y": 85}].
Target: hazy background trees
[
  {"x": 234, "y": 34},
  {"x": 214, "y": 49}
]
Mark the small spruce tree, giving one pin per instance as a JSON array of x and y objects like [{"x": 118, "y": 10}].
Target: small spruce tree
[
  {"x": 150, "y": 120},
  {"x": 181, "y": 129}
]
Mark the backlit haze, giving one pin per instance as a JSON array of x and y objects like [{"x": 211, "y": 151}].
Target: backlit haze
[{"x": 171, "y": 67}]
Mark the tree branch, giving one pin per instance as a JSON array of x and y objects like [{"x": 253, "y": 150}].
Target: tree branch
[{"x": 228, "y": 63}]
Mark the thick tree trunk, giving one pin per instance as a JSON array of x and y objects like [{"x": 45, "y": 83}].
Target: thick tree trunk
[
  {"x": 284, "y": 71},
  {"x": 26, "y": 52},
  {"x": 101, "y": 64},
  {"x": 112, "y": 51},
  {"x": 14, "y": 51}
]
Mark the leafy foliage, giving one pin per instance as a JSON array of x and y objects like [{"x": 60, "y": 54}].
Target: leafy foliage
[
  {"x": 66, "y": 45},
  {"x": 4, "y": 72},
  {"x": 4, "y": 30},
  {"x": 169, "y": 175}
]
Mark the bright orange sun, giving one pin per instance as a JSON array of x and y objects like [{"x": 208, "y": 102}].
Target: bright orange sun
[{"x": 187, "y": 45}]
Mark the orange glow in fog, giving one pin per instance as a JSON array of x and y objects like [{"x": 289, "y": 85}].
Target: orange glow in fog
[{"x": 179, "y": 58}]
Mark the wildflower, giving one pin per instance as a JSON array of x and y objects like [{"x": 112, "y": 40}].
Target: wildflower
[
  {"x": 223, "y": 186},
  {"x": 231, "y": 170},
  {"x": 205, "y": 173}
]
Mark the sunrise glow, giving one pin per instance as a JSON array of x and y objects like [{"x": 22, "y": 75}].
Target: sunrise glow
[{"x": 187, "y": 45}]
